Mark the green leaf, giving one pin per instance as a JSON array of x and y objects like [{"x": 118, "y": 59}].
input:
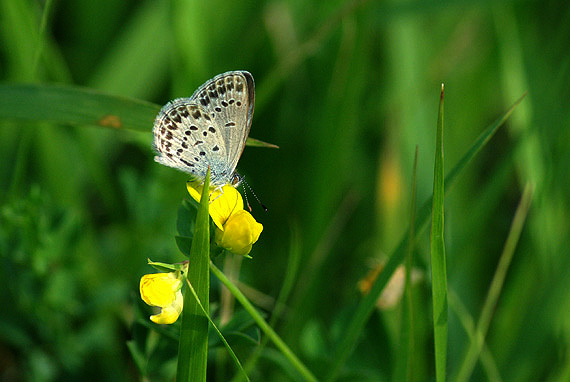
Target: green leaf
[
  {"x": 438, "y": 261},
  {"x": 165, "y": 267},
  {"x": 257, "y": 143},
  {"x": 193, "y": 345},
  {"x": 186, "y": 219}
]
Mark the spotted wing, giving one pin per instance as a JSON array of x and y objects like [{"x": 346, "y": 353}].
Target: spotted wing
[
  {"x": 229, "y": 100},
  {"x": 187, "y": 138}
]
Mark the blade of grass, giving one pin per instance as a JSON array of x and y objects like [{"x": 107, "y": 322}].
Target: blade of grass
[
  {"x": 466, "y": 320},
  {"x": 41, "y": 37},
  {"x": 476, "y": 345},
  {"x": 193, "y": 345},
  {"x": 405, "y": 362},
  {"x": 288, "y": 283},
  {"x": 75, "y": 105},
  {"x": 222, "y": 338},
  {"x": 126, "y": 67},
  {"x": 438, "y": 262},
  {"x": 263, "y": 325},
  {"x": 366, "y": 306}
]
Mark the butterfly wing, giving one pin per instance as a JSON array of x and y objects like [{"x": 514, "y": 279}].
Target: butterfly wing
[
  {"x": 186, "y": 138},
  {"x": 229, "y": 99},
  {"x": 208, "y": 129}
]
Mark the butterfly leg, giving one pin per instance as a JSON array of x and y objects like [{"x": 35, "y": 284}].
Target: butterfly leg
[{"x": 219, "y": 188}]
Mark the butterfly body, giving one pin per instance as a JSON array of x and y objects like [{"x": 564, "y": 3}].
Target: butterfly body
[{"x": 208, "y": 129}]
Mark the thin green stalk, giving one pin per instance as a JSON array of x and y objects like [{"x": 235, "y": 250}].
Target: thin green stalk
[
  {"x": 438, "y": 262},
  {"x": 193, "y": 345},
  {"x": 263, "y": 325},
  {"x": 496, "y": 286},
  {"x": 405, "y": 362},
  {"x": 41, "y": 36},
  {"x": 288, "y": 283},
  {"x": 468, "y": 323}
]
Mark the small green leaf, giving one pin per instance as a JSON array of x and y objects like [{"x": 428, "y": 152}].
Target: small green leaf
[
  {"x": 165, "y": 267},
  {"x": 186, "y": 219},
  {"x": 257, "y": 143}
]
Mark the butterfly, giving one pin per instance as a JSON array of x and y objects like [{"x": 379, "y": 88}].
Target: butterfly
[{"x": 208, "y": 129}]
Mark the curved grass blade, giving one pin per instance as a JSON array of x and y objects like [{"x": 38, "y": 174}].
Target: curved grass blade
[
  {"x": 222, "y": 338},
  {"x": 468, "y": 323},
  {"x": 366, "y": 306},
  {"x": 476, "y": 345},
  {"x": 287, "y": 287},
  {"x": 264, "y": 326},
  {"x": 193, "y": 345}
]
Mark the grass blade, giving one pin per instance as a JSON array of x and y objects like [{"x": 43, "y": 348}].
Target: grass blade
[
  {"x": 468, "y": 324},
  {"x": 405, "y": 362},
  {"x": 73, "y": 105},
  {"x": 193, "y": 345},
  {"x": 496, "y": 286},
  {"x": 222, "y": 338},
  {"x": 264, "y": 326},
  {"x": 287, "y": 287},
  {"x": 366, "y": 306},
  {"x": 438, "y": 262}
]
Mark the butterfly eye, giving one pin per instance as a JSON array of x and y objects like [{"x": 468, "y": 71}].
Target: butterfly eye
[{"x": 236, "y": 179}]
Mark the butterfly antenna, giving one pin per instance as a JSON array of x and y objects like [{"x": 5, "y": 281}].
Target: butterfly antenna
[{"x": 253, "y": 193}]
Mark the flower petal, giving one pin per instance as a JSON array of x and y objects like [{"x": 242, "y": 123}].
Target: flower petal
[
  {"x": 159, "y": 289},
  {"x": 169, "y": 314}
]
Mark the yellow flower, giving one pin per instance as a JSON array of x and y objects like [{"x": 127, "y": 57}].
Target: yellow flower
[
  {"x": 237, "y": 230},
  {"x": 163, "y": 290},
  {"x": 240, "y": 232}
]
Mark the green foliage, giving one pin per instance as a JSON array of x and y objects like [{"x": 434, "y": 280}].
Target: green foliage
[{"x": 346, "y": 90}]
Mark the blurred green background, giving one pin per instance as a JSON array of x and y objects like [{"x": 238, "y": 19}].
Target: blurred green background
[{"x": 347, "y": 89}]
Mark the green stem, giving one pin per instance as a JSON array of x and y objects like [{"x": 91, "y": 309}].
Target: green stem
[{"x": 263, "y": 325}]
